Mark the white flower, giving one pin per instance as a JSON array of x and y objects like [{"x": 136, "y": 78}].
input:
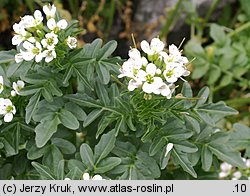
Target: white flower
[
  {"x": 248, "y": 163},
  {"x": 165, "y": 91},
  {"x": 32, "y": 51},
  {"x": 18, "y": 86},
  {"x": 7, "y": 109},
  {"x": 18, "y": 57},
  {"x": 151, "y": 84},
  {"x": 169, "y": 147},
  {"x": 86, "y": 176},
  {"x": 49, "y": 11},
  {"x": 176, "y": 56},
  {"x": 236, "y": 175},
  {"x": 156, "y": 46},
  {"x": 71, "y": 42},
  {"x": 133, "y": 84},
  {"x": 131, "y": 67},
  {"x": 67, "y": 179},
  {"x": 20, "y": 34},
  {"x": 135, "y": 55},
  {"x": 50, "y": 41},
  {"x": 225, "y": 169},
  {"x": 174, "y": 71},
  {"x": 32, "y": 21},
  {"x": 49, "y": 55},
  {"x": 1, "y": 84},
  {"x": 56, "y": 26}
]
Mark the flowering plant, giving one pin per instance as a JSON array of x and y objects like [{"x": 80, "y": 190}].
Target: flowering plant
[{"x": 67, "y": 115}]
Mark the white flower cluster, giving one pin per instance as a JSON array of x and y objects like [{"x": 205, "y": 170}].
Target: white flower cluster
[
  {"x": 7, "y": 109},
  {"x": 228, "y": 171},
  {"x": 38, "y": 41},
  {"x": 158, "y": 72}
]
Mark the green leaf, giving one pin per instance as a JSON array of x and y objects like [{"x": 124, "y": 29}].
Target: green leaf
[
  {"x": 74, "y": 174},
  {"x": 45, "y": 130},
  {"x": 83, "y": 100},
  {"x": 105, "y": 146},
  {"x": 217, "y": 33},
  {"x": 203, "y": 95},
  {"x": 240, "y": 137},
  {"x": 213, "y": 75},
  {"x": 103, "y": 73},
  {"x": 102, "y": 93},
  {"x": 192, "y": 123},
  {"x": 226, "y": 80},
  {"x": 107, "y": 164},
  {"x": 76, "y": 110},
  {"x": 157, "y": 145},
  {"x": 217, "y": 108},
  {"x": 52, "y": 157},
  {"x": 185, "y": 146},
  {"x": 206, "y": 158},
  {"x": 93, "y": 115},
  {"x": 73, "y": 163},
  {"x": 64, "y": 145},
  {"x": 60, "y": 170},
  {"x": 68, "y": 119},
  {"x": 87, "y": 156},
  {"x": 36, "y": 153},
  {"x": 107, "y": 50},
  {"x": 11, "y": 138},
  {"x": 182, "y": 160},
  {"x": 44, "y": 171},
  {"x": 31, "y": 107},
  {"x": 224, "y": 154},
  {"x": 104, "y": 123},
  {"x": 186, "y": 90},
  {"x": 7, "y": 56}
]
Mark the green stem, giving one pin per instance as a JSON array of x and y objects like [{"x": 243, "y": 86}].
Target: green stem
[
  {"x": 239, "y": 29},
  {"x": 210, "y": 11},
  {"x": 170, "y": 19}
]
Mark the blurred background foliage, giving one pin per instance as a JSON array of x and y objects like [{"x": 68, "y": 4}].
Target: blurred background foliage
[{"x": 216, "y": 35}]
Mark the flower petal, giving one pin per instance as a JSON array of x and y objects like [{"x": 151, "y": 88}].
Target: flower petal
[{"x": 8, "y": 117}]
